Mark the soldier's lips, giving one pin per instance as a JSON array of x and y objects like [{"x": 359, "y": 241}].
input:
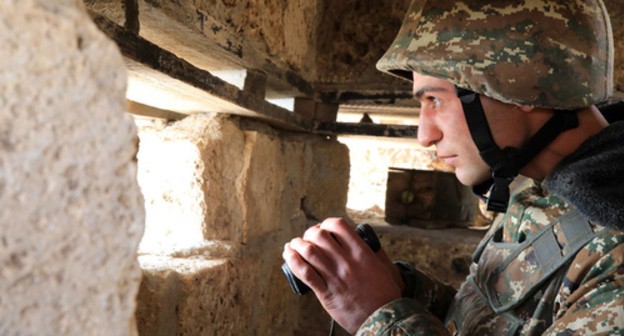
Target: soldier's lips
[{"x": 448, "y": 160}]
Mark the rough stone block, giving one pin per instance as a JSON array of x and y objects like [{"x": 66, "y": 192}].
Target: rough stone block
[
  {"x": 429, "y": 199},
  {"x": 444, "y": 254},
  {"x": 72, "y": 212},
  {"x": 222, "y": 196},
  {"x": 328, "y": 179},
  {"x": 297, "y": 159},
  {"x": 114, "y": 10},
  {"x": 188, "y": 172},
  {"x": 208, "y": 177},
  {"x": 616, "y": 12},
  {"x": 196, "y": 296},
  {"x": 370, "y": 160},
  {"x": 262, "y": 183}
]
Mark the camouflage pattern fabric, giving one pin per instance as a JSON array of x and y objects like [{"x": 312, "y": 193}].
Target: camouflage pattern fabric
[
  {"x": 543, "y": 53},
  {"x": 585, "y": 297}
]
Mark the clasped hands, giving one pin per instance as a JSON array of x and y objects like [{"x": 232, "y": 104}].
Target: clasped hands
[{"x": 349, "y": 279}]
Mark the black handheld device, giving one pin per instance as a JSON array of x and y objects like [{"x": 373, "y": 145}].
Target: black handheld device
[{"x": 367, "y": 234}]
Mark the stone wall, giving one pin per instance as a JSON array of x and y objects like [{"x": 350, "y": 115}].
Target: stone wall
[
  {"x": 71, "y": 214},
  {"x": 616, "y": 12},
  {"x": 222, "y": 197},
  {"x": 332, "y": 44},
  {"x": 286, "y": 30},
  {"x": 353, "y": 35},
  {"x": 370, "y": 159}
]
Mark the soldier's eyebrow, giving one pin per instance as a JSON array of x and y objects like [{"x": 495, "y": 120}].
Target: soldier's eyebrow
[{"x": 420, "y": 92}]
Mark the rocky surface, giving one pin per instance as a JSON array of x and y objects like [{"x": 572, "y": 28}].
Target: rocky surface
[{"x": 72, "y": 212}]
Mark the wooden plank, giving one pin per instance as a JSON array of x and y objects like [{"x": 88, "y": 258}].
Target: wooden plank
[
  {"x": 392, "y": 131},
  {"x": 181, "y": 28},
  {"x": 167, "y": 75},
  {"x": 366, "y": 96},
  {"x": 152, "y": 112}
]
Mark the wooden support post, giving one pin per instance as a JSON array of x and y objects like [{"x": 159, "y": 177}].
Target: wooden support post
[
  {"x": 255, "y": 83},
  {"x": 314, "y": 110},
  {"x": 132, "y": 16},
  {"x": 366, "y": 129}
]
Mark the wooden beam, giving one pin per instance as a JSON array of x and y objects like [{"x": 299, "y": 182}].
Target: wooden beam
[
  {"x": 367, "y": 129},
  {"x": 149, "y": 111},
  {"x": 183, "y": 28},
  {"x": 362, "y": 95},
  {"x": 168, "y": 75},
  {"x": 132, "y": 16}
]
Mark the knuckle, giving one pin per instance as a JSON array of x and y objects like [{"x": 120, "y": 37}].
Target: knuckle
[
  {"x": 308, "y": 250},
  {"x": 311, "y": 233},
  {"x": 335, "y": 223},
  {"x": 306, "y": 273},
  {"x": 318, "y": 235}
]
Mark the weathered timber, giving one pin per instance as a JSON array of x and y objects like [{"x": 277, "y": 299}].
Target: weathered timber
[
  {"x": 149, "y": 111},
  {"x": 255, "y": 83},
  {"x": 132, "y": 16},
  {"x": 182, "y": 28},
  {"x": 315, "y": 110},
  {"x": 165, "y": 74},
  {"x": 368, "y": 129},
  {"x": 366, "y": 96}
]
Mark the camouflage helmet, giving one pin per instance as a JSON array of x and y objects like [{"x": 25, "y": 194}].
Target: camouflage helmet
[{"x": 543, "y": 53}]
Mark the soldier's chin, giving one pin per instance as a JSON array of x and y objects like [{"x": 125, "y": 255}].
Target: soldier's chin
[{"x": 470, "y": 179}]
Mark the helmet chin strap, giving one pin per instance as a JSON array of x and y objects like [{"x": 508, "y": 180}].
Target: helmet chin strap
[{"x": 506, "y": 163}]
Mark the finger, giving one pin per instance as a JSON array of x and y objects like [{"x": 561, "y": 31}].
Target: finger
[
  {"x": 323, "y": 239},
  {"x": 315, "y": 257},
  {"x": 346, "y": 235},
  {"x": 338, "y": 226},
  {"x": 302, "y": 269}
]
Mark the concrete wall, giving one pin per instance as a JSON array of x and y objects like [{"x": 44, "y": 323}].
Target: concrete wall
[{"x": 72, "y": 213}]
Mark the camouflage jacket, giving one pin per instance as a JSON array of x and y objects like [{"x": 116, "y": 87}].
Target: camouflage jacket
[{"x": 533, "y": 274}]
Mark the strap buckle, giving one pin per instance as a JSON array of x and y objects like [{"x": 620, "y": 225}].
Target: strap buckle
[{"x": 498, "y": 198}]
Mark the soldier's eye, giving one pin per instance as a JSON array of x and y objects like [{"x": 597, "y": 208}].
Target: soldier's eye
[{"x": 434, "y": 102}]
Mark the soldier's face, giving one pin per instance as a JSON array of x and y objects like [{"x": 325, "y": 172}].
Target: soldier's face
[{"x": 443, "y": 125}]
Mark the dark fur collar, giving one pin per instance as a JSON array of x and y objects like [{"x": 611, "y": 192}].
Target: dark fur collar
[{"x": 592, "y": 178}]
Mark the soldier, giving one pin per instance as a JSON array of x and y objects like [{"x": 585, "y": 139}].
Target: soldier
[{"x": 521, "y": 79}]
